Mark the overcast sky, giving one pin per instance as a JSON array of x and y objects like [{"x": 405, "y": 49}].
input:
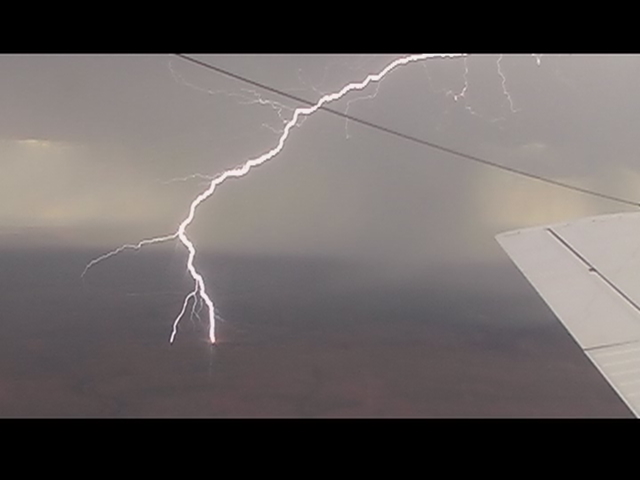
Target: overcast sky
[
  {"x": 87, "y": 143},
  {"x": 89, "y": 146}
]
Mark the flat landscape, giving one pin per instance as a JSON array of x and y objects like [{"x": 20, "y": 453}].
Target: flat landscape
[{"x": 298, "y": 338}]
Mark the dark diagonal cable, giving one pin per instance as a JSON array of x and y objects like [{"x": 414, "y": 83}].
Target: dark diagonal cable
[{"x": 411, "y": 138}]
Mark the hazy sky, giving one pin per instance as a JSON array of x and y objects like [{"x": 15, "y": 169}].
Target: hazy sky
[{"x": 89, "y": 144}]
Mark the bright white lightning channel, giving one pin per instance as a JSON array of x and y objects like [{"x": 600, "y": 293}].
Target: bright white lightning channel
[{"x": 240, "y": 171}]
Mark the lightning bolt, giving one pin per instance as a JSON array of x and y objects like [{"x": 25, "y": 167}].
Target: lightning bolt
[
  {"x": 310, "y": 85},
  {"x": 199, "y": 292},
  {"x": 187, "y": 178},
  {"x": 465, "y": 76},
  {"x": 247, "y": 97},
  {"x": 458, "y": 96},
  {"x": 504, "y": 83},
  {"x": 136, "y": 246},
  {"x": 352, "y": 101},
  {"x": 461, "y": 96}
]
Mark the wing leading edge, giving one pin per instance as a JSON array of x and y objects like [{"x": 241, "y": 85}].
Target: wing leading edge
[{"x": 588, "y": 272}]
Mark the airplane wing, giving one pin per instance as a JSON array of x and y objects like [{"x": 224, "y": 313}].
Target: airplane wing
[{"x": 588, "y": 272}]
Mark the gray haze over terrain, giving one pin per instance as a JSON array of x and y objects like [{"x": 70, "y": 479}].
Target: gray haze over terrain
[{"x": 357, "y": 274}]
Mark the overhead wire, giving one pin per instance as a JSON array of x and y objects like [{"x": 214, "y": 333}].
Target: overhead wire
[{"x": 411, "y": 138}]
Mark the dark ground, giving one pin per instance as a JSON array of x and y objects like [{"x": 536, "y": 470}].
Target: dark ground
[{"x": 300, "y": 338}]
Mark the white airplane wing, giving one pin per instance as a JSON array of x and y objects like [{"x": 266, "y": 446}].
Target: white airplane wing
[{"x": 588, "y": 272}]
